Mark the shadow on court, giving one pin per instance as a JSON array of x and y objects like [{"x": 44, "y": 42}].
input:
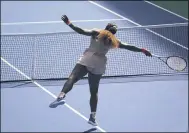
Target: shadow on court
[{"x": 90, "y": 130}]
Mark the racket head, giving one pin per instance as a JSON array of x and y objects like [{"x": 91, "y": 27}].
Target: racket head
[{"x": 176, "y": 63}]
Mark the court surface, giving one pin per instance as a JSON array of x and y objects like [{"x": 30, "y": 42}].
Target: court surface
[{"x": 159, "y": 105}]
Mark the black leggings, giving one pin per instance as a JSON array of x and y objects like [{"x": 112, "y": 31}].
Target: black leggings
[{"x": 79, "y": 72}]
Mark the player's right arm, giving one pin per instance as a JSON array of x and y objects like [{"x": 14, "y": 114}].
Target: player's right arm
[
  {"x": 78, "y": 29},
  {"x": 133, "y": 48}
]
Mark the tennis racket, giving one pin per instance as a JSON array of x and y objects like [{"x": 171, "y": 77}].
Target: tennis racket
[{"x": 176, "y": 63}]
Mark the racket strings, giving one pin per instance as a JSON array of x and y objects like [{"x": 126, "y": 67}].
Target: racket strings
[{"x": 176, "y": 63}]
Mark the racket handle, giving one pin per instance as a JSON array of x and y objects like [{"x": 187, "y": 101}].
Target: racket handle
[
  {"x": 155, "y": 55},
  {"x": 159, "y": 56}
]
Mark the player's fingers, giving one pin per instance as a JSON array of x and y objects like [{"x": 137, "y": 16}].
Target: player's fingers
[
  {"x": 149, "y": 54},
  {"x": 64, "y": 17}
]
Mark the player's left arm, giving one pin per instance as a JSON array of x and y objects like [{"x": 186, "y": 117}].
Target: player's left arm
[
  {"x": 86, "y": 32},
  {"x": 133, "y": 48},
  {"x": 78, "y": 29}
]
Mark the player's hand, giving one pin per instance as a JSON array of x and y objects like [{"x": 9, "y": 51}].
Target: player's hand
[
  {"x": 65, "y": 19},
  {"x": 146, "y": 52}
]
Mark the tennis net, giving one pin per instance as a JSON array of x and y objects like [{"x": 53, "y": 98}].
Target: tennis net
[{"x": 53, "y": 55}]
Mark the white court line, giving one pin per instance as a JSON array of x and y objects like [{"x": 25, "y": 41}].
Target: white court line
[
  {"x": 57, "y": 22},
  {"x": 129, "y": 27},
  {"x": 92, "y": 2},
  {"x": 119, "y": 28},
  {"x": 47, "y": 91},
  {"x": 165, "y": 10}
]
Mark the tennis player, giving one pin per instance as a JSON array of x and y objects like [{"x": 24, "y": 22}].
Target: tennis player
[{"x": 93, "y": 62}]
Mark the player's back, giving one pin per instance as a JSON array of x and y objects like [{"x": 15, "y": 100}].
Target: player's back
[{"x": 98, "y": 46}]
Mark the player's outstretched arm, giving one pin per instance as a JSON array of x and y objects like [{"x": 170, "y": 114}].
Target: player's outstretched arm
[
  {"x": 77, "y": 29},
  {"x": 133, "y": 48}
]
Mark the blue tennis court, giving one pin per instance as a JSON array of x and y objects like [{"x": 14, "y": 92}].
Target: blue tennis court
[{"x": 138, "y": 93}]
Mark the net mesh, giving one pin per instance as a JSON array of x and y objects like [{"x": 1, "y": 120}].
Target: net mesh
[{"x": 53, "y": 55}]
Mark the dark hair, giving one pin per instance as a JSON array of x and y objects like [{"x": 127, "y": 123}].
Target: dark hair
[{"x": 112, "y": 27}]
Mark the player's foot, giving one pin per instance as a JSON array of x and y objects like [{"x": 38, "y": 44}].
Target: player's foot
[
  {"x": 92, "y": 120},
  {"x": 58, "y": 101}
]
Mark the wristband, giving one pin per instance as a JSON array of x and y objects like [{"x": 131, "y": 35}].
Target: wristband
[
  {"x": 68, "y": 23},
  {"x": 143, "y": 50}
]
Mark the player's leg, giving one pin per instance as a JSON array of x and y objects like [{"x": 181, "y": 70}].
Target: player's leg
[
  {"x": 78, "y": 72},
  {"x": 94, "y": 81}
]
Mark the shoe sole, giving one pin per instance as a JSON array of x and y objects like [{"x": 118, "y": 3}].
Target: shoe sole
[{"x": 57, "y": 104}]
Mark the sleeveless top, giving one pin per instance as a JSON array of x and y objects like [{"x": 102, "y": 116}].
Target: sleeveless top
[{"x": 94, "y": 57}]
